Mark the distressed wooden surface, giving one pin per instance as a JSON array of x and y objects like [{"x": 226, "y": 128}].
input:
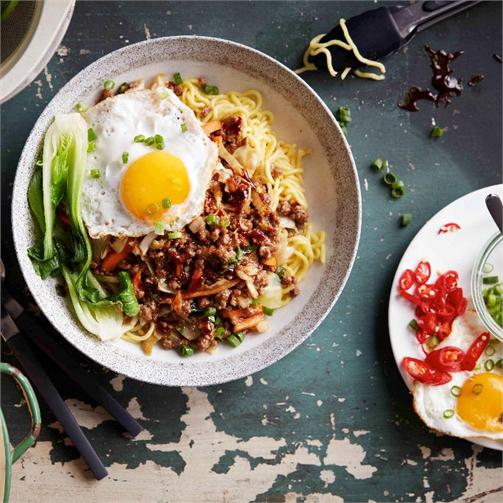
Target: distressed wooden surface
[{"x": 333, "y": 420}]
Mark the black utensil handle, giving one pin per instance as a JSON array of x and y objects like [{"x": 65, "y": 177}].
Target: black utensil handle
[
  {"x": 495, "y": 207},
  {"x": 49, "y": 393},
  {"x": 73, "y": 370}
]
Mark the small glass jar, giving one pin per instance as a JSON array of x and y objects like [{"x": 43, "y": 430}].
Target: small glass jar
[{"x": 489, "y": 263}]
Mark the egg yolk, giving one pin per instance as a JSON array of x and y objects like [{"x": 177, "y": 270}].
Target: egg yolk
[
  {"x": 152, "y": 183},
  {"x": 480, "y": 403}
]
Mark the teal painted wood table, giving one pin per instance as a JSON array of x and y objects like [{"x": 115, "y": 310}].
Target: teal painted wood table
[{"x": 333, "y": 420}]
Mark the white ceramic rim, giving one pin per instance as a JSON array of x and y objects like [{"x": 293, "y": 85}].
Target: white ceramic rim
[{"x": 248, "y": 362}]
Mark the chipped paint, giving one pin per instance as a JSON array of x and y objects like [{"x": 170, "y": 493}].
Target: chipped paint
[
  {"x": 86, "y": 415},
  {"x": 134, "y": 409},
  {"x": 117, "y": 382},
  {"x": 350, "y": 456}
]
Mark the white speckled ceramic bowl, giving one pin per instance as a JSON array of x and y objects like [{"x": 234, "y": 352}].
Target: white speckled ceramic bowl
[{"x": 331, "y": 184}]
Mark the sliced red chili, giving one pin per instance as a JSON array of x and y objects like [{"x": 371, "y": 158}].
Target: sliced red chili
[
  {"x": 450, "y": 227},
  {"x": 447, "y": 359},
  {"x": 424, "y": 373},
  {"x": 473, "y": 353},
  {"x": 426, "y": 292},
  {"x": 444, "y": 330},
  {"x": 406, "y": 280},
  {"x": 450, "y": 281},
  {"x": 429, "y": 323},
  {"x": 423, "y": 272},
  {"x": 461, "y": 307},
  {"x": 410, "y": 297},
  {"x": 447, "y": 312}
]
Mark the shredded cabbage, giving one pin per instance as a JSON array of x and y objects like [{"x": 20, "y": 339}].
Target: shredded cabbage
[{"x": 272, "y": 294}]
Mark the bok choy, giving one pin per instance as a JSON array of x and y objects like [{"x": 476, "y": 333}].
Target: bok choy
[{"x": 59, "y": 182}]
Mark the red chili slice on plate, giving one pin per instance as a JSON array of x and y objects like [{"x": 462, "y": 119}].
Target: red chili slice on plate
[
  {"x": 473, "y": 353},
  {"x": 450, "y": 281},
  {"x": 462, "y": 305},
  {"x": 447, "y": 359},
  {"x": 424, "y": 373},
  {"x": 406, "y": 280},
  {"x": 422, "y": 337},
  {"x": 423, "y": 272},
  {"x": 429, "y": 323},
  {"x": 426, "y": 292},
  {"x": 410, "y": 297},
  {"x": 450, "y": 227},
  {"x": 447, "y": 312},
  {"x": 444, "y": 330}
]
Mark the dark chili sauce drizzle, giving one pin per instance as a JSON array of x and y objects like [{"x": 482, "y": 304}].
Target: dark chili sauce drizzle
[{"x": 442, "y": 80}]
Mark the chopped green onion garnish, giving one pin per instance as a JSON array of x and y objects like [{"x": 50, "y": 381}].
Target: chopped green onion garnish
[
  {"x": 377, "y": 165},
  {"x": 220, "y": 333},
  {"x": 210, "y": 89},
  {"x": 91, "y": 135},
  {"x": 159, "y": 141},
  {"x": 448, "y": 413},
  {"x": 437, "y": 132},
  {"x": 95, "y": 173},
  {"x": 235, "y": 339},
  {"x": 487, "y": 268},
  {"x": 490, "y": 280},
  {"x": 184, "y": 127},
  {"x": 344, "y": 128},
  {"x": 225, "y": 222},
  {"x": 477, "y": 367},
  {"x": 139, "y": 138},
  {"x": 177, "y": 78},
  {"x": 159, "y": 228},
  {"x": 499, "y": 363},
  {"x": 240, "y": 253},
  {"x": 405, "y": 219},
  {"x": 398, "y": 185},
  {"x": 149, "y": 141},
  {"x": 166, "y": 203},
  {"x": 108, "y": 85},
  {"x": 174, "y": 235},
  {"x": 212, "y": 220},
  {"x": 210, "y": 311},
  {"x": 489, "y": 365},
  {"x": 268, "y": 311},
  {"x": 125, "y": 157},
  {"x": 344, "y": 115},
  {"x": 389, "y": 178},
  {"x": 80, "y": 107},
  {"x": 186, "y": 350},
  {"x": 456, "y": 391},
  {"x": 280, "y": 271},
  {"x": 398, "y": 193},
  {"x": 413, "y": 324},
  {"x": 477, "y": 389},
  {"x": 91, "y": 147},
  {"x": 385, "y": 165},
  {"x": 123, "y": 88},
  {"x": 433, "y": 341},
  {"x": 490, "y": 350}
]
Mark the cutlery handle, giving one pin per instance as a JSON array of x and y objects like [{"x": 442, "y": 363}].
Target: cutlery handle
[
  {"x": 73, "y": 370},
  {"x": 495, "y": 207},
  {"x": 24, "y": 354}
]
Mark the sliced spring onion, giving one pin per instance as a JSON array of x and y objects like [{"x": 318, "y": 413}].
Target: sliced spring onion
[
  {"x": 413, "y": 324},
  {"x": 125, "y": 157},
  {"x": 212, "y": 220},
  {"x": 210, "y": 311},
  {"x": 213, "y": 90},
  {"x": 389, "y": 178},
  {"x": 487, "y": 268},
  {"x": 405, "y": 219},
  {"x": 499, "y": 363},
  {"x": 139, "y": 138},
  {"x": 448, "y": 413},
  {"x": 184, "y": 127},
  {"x": 108, "y": 85},
  {"x": 186, "y": 350},
  {"x": 490, "y": 280},
  {"x": 91, "y": 147},
  {"x": 159, "y": 141},
  {"x": 490, "y": 350},
  {"x": 456, "y": 391},
  {"x": 398, "y": 193},
  {"x": 235, "y": 339},
  {"x": 268, "y": 311},
  {"x": 280, "y": 271},
  {"x": 377, "y": 165},
  {"x": 344, "y": 115},
  {"x": 398, "y": 185},
  {"x": 177, "y": 78},
  {"x": 174, "y": 235},
  {"x": 80, "y": 107},
  {"x": 437, "y": 132},
  {"x": 489, "y": 364},
  {"x": 91, "y": 135},
  {"x": 159, "y": 228},
  {"x": 166, "y": 203},
  {"x": 220, "y": 333},
  {"x": 477, "y": 388},
  {"x": 225, "y": 222},
  {"x": 95, "y": 173},
  {"x": 433, "y": 341}
]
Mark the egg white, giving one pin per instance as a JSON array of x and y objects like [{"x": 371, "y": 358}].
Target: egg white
[
  {"x": 116, "y": 121},
  {"x": 430, "y": 402}
]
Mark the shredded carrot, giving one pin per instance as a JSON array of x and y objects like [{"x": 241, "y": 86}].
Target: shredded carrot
[
  {"x": 113, "y": 259},
  {"x": 137, "y": 282},
  {"x": 243, "y": 312},
  {"x": 211, "y": 127},
  {"x": 218, "y": 287},
  {"x": 149, "y": 344},
  {"x": 247, "y": 323},
  {"x": 271, "y": 261},
  {"x": 177, "y": 303}
]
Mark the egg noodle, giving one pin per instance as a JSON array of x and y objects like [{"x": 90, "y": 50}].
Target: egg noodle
[
  {"x": 278, "y": 169},
  {"x": 316, "y": 47}
]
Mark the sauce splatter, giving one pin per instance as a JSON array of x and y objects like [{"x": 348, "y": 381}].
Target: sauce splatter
[
  {"x": 475, "y": 79},
  {"x": 442, "y": 80}
]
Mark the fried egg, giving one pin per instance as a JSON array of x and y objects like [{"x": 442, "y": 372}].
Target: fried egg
[
  {"x": 132, "y": 187},
  {"x": 471, "y": 404}
]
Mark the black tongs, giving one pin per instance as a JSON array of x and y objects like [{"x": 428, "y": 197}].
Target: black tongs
[
  {"x": 21, "y": 332},
  {"x": 382, "y": 31}
]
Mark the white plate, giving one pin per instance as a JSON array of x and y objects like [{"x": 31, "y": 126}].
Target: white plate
[
  {"x": 332, "y": 190},
  {"x": 453, "y": 250}
]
